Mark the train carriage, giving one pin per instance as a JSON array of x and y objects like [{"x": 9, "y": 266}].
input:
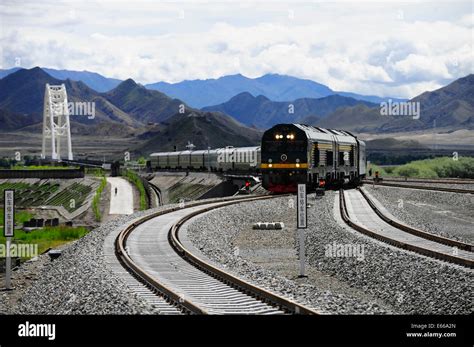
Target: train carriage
[
  {"x": 246, "y": 158},
  {"x": 159, "y": 160},
  {"x": 173, "y": 160},
  {"x": 225, "y": 158},
  {"x": 198, "y": 160},
  {"x": 184, "y": 159}
]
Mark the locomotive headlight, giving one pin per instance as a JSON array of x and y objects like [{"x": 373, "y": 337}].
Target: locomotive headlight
[
  {"x": 270, "y": 165},
  {"x": 297, "y": 164},
  {"x": 292, "y": 136},
  {"x": 288, "y": 136}
]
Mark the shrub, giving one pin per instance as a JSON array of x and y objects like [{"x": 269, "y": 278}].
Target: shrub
[
  {"x": 440, "y": 167},
  {"x": 136, "y": 180},
  {"x": 96, "y": 200}
]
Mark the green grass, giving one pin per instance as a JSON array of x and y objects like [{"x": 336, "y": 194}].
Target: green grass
[
  {"x": 442, "y": 167},
  {"x": 20, "y": 216},
  {"x": 47, "y": 237},
  {"x": 95, "y": 171},
  {"x": 135, "y": 179},
  {"x": 96, "y": 200}
]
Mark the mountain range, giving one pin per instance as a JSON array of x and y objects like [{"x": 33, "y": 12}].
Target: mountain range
[
  {"x": 202, "y": 93},
  {"x": 448, "y": 108},
  {"x": 263, "y": 113},
  {"x": 91, "y": 79},
  {"x": 162, "y": 122}
]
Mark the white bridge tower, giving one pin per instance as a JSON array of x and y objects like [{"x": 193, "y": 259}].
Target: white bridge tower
[{"x": 56, "y": 126}]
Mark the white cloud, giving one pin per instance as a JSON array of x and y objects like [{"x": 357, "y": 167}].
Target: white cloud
[{"x": 396, "y": 49}]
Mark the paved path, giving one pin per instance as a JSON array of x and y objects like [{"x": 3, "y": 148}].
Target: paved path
[{"x": 122, "y": 203}]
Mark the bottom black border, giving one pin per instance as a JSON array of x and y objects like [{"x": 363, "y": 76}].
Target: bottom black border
[{"x": 287, "y": 330}]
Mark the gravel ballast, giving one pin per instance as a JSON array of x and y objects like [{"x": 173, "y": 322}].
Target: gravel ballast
[
  {"x": 80, "y": 282},
  {"x": 442, "y": 213},
  {"x": 374, "y": 278}
]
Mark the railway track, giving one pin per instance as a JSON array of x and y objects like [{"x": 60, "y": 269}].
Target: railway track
[
  {"x": 152, "y": 251},
  {"x": 157, "y": 192},
  {"x": 360, "y": 212},
  {"x": 414, "y": 186},
  {"x": 429, "y": 180}
]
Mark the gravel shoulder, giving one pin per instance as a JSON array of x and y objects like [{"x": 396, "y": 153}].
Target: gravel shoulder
[
  {"x": 380, "y": 279},
  {"x": 79, "y": 281},
  {"x": 435, "y": 185},
  {"x": 442, "y": 213}
]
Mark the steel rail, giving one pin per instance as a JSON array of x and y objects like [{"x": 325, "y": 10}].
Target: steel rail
[
  {"x": 440, "y": 189},
  {"x": 176, "y": 298},
  {"x": 403, "y": 245},
  {"x": 414, "y": 231}
]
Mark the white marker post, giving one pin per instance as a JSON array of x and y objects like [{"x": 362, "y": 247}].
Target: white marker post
[
  {"x": 302, "y": 222},
  {"x": 8, "y": 230}
]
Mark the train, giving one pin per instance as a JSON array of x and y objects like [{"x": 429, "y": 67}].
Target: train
[
  {"x": 298, "y": 153},
  {"x": 289, "y": 154},
  {"x": 227, "y": 159}
]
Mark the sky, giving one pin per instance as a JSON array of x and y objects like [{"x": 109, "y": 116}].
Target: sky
[{"x": 384, "y": 48}]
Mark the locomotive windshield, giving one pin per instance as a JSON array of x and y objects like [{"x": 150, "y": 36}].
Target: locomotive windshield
[{"x": 284, "y": 146}]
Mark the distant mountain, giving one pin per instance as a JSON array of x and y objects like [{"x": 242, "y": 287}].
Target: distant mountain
[
  {"x": 450, "y": 107},
  {"x": 201, "y": 93},
  {"x": 127, "y": 110},
  {"x": 142, "y": 104},
  {"x": 392, "y": 144},
  {"x": 91, "y": 79},
  {"x": 263, "y": 113},
  {"x": 203, "y": 129},
  {"x": 370, "y": 98},
  {"x": 6, "y": 72},
  {"x": 359, "y": 118},
  {"x": 22, "y": 92},
  {"x": 12, "y": 121}
]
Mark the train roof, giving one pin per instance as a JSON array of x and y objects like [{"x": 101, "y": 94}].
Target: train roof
[
  {"x": 160, "y": 154},
  {"x": 203, "y": 151},
  {"x": 247, "y": 148},
  {"x": 318, "y": 133}
]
